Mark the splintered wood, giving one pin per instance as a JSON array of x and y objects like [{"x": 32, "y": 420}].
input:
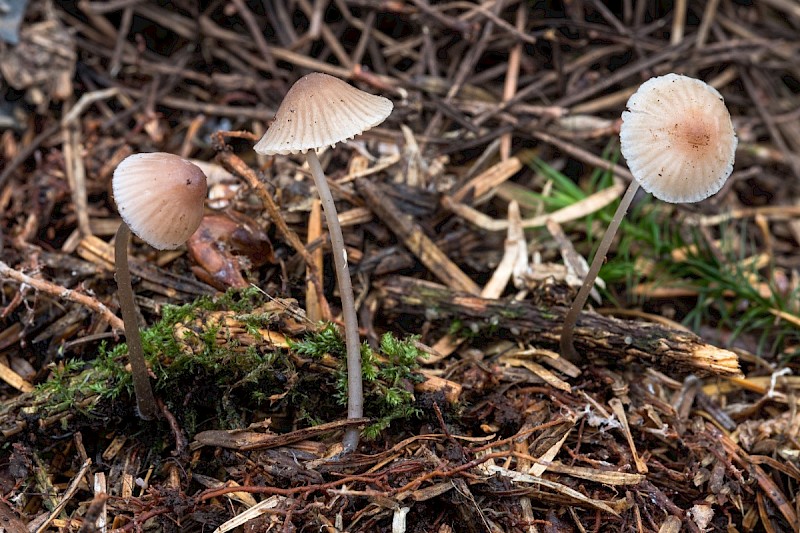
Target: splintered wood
[{"x": 596, "y": 335}]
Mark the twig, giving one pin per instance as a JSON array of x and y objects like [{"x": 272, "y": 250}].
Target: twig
[
  {"x": 678, "y": 21},
  {"x": 250, "y": 440},
  {"x": 180, "y": 439},
  {"x": 71, "y": 490},
  {"x": 62, "y": 292},
  {"x": 709, "y": 13},
  {"x": 765, "y": 482},
  {"x": 313, "y": 311},
  {"x": 25, "y": 151},
  {"x": 574, "y": 211},
  {"x": 512, "y": 76},
  {"x": 415, "y": 239},
  {"x": 256, "y": 32},
  {"x": 582, "y": 155}
]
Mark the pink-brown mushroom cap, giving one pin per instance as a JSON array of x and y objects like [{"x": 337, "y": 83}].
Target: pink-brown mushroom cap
[
  {"x": 320, "y": 110},
  {"x": 160, "y": 197},
  {"x": 678, "y": 139}
]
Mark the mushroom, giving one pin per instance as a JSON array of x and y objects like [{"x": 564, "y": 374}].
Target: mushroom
[
  {"x": 678, "y": 140},
  {"x": 160, "y": 197},
  {"x": 320, "y": 110}
]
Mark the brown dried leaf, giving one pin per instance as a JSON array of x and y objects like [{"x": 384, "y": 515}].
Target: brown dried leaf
[{"x": 221, "y": 242}]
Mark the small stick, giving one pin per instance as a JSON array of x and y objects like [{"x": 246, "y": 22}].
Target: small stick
[
  {"x": 256, "y": 32},
  {"x": 415, "y": 239},
  {"x": 76, "y": 177},
  {"x": 14, "y": 379},
  {"x": 583, "y": 155},
  {"x": 510, "y": 86},
  {"x": 75, "y": 169},
  {"x": 619, "y": 410},
  {"x": 25, "y": 151},
  {"x": 95, "y": 517},
  {"x": 678, "y": 22},
  {"x": 124, "y": 27},
  {"x": 191, "y": 132},
  {"x": 709, "y": 13},
  {"x": 180, "y": 439},
  {"x": 72, "y": 488},
  {"x": 250, "y": 440},
  {"x": 313, "y": 311},
  {"x": 62, "y": 292},
  {"x": 315, "y": 13}
]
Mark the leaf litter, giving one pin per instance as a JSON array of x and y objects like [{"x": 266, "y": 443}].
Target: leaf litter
[{"x": 468, "y": 216}]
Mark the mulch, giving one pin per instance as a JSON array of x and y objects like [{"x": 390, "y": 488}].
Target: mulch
[{"x": 659, "y": 428}]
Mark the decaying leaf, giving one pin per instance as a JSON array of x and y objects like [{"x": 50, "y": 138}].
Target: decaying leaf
[{"x": 226, "y": 244}]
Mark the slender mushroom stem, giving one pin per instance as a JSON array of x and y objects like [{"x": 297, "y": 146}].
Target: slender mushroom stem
[
  {"x": 355, "y": 393},
  {"x": 568, "y": 329},
  {"x": 145, "y": 400}
]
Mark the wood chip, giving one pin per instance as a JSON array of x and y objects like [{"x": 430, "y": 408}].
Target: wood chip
[
  {"x": 577, "y": 497},
  {"x": 14, "y": 379},
  {"x": 619, "y": 411},
  {"x": 540, "y": 371},
  {"x": 605, "y": 477},
  {"x": 487, "y": 180},
  {"x": 253, "y": 512}
]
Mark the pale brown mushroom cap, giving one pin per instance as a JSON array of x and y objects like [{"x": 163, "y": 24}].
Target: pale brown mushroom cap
[
  {"x": 320, "y": 110},
  {"x": 160, "y": 197},
  {"x": 678, "y": 139}
]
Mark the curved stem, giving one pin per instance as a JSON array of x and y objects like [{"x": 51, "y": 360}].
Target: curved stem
[
  {"x": 145, "y": 400},
  {"x": 568, "y": 329},
  {"x": 355, "y": 393}
]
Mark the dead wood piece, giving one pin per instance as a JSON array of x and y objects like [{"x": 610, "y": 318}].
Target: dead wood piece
[
  {"x": 450, "y": 389},
  {"x": 14, "y": 379},
  {"x": 95, "y": 513},
  {"x": 99, "y": 252},
  {"x": 57, "y": 291},
  {"x": 415, "y": 239},
  {"x": 489, "y": 179},
  {"x": 250, "y": 440},
  {"x": 72, "y": 488},
  {"x": 314, "y": 310},
  {"x": 597, "y": 336}
]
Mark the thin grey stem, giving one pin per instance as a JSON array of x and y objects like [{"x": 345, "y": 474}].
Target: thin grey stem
[
  {"x": 145, "y": 400},
  {"x": 568, "y": 329},
  {"x": 355, "y": 393}
]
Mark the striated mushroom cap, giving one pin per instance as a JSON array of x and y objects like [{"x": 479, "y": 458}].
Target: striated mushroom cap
[
  {"x": 160, "y": 197},
  {"x": 678, "y": 139},
  {"x": 320, "y": 110}
]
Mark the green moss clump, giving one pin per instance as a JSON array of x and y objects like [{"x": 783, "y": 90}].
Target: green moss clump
[
  {"x": 389, "y": 375},
  {"x": 213, "y": 361}
]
